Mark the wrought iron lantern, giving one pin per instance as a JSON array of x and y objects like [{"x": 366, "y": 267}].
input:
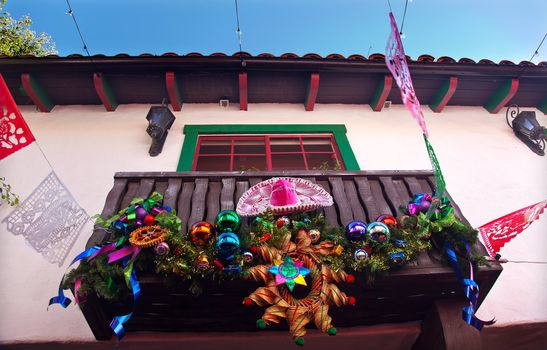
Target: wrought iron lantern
[
  {"x": 160, "y": 119},
  {"x": 527, "y": 129}
]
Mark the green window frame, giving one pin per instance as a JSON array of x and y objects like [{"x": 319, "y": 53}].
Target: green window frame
[{"x": 191, "y": 133}]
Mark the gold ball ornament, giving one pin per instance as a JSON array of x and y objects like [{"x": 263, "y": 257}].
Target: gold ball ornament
[
  {"x": 202, "y": 262},
  {"x": 200, "y": 233}
]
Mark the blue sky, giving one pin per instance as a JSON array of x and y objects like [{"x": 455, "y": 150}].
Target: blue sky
[{"x": 494, "y": 29}]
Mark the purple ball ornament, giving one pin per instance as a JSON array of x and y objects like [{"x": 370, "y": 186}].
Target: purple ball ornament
[
  {"x": 356, "y": 231},
  {"x": 424, "y": 206},
  {"x": 378, "y": 232},
  {"x": 413, "y": 209},
  {"x": 140, "y": 212},
  {"x": 162, "y": 249}
]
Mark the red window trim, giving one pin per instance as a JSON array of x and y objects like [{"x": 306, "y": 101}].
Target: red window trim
[{"x": 267, "y": 145}]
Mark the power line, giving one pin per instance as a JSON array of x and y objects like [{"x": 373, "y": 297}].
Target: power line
[
  {"x": 537, "y": 50},
  {"x": 71, "y": 14},
  {"x": 403, "y": 21},
  {"x": 238, "y": 31}
]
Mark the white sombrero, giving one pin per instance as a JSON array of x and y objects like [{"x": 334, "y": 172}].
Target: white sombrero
[{"x": 283, "y": 196}]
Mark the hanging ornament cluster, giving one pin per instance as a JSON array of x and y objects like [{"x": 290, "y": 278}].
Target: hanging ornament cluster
[
  {"x": 226, "y": 242},
  {"x": 141, "y": 212}
]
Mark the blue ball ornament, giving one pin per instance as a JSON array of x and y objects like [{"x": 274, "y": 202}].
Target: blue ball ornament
[
  {"x": 227, "y": 246},
  {"x": 356, "y": 231},
  {"x": 360, "y": 254}
]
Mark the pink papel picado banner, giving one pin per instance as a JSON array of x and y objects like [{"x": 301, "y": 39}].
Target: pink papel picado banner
[{"x": 396, "y": 62}]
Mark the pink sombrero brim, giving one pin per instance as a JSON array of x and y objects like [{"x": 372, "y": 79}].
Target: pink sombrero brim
[{"x": 256, "y": 200}]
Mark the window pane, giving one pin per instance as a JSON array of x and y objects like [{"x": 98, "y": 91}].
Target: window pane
[
  {"x": 288, "y": 162},
  {"x": 285, "y": 144},
  {"x": 213, "y": 163},
  {"x": 249, "y": 163},
  {"x": 317, "y": 144},
  {"x": 211, "y": 146},
  {"x": 322, "y": 161},
  {"x": 249, "y": 146}
]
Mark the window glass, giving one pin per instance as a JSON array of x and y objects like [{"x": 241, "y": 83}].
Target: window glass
[
  {"x": 285, "y": 144},
  {"x": 253, "y": 146},
  {"x": 213, "y": 163},
  {"x": 266, "y": 152},
  {"x": 215, "y": 146}
]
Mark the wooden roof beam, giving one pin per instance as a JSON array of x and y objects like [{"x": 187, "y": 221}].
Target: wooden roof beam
[
  {"x": 502, "y": 96},
  {"x": 381, "y": 94},
  {"x": 173, "y": 91},
  {"x": 104, "y": 91},
  {"x": 445, "y": 93},
  {"x": 311, "y": 94},
  {"x": 37, "y": 93},
  {"x": 243, "y": 91}
]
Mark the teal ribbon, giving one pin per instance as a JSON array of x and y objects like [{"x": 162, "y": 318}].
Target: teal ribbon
[{"x": 117, "y": 323}]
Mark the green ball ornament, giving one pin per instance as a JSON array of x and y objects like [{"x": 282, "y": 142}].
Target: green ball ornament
[
  {"x": 260, "y": 324},
  {"x": 227, "y": 221}
]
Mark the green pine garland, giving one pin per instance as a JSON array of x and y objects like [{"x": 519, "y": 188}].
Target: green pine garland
[{"x": 418, "y": 232}]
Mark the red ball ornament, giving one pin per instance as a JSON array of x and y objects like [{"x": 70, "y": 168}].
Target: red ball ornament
[
  {"x": 350, "y": 279},
  {"x": 389, "y": 220},
  {"x": 149, "y": 220},
  {"x": 352, "y": 301},
  {"x": 248, "y": 302},
  {"x": 265, "y": 238},
  {"x": 253, "y": 249},
  {"x": 218, "y": 264}
]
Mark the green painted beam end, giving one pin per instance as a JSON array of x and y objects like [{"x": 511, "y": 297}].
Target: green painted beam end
[
  {"x": 502, "y": 96},
  {"x": 543, "y": 106},
  {"x": 443, "y": 95}
]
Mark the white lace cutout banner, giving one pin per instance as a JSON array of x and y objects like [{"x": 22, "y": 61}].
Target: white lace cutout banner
[{"x": 49, "y": 219}]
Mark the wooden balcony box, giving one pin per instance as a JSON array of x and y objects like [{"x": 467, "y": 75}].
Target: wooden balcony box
[{"x": 424, "y": 290}]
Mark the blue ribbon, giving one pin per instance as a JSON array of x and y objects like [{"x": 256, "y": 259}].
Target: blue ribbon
[
  {"x": 399, "y": 256},
  {"x": 61, "y": 298},
  {"x": 471, "y": 287},
  {"x": 133, "y": 283}
]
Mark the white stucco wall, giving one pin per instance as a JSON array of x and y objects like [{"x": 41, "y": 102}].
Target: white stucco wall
[{"x": 488, "y": 172}]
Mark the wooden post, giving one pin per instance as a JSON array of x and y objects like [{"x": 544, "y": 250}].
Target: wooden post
[
  {"x": 311, "y": 95},
  {"x": 444, "y": 329},
  {"x": 173, "y": 90},
  {"x": 381, "y": 94}
]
